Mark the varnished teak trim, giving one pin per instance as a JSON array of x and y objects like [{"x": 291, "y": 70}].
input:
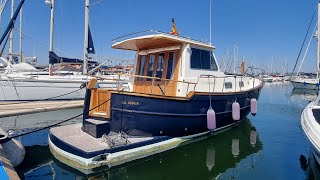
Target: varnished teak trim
[{"x": 98, "y": 104}]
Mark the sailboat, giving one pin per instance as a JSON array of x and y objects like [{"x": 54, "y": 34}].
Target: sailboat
[
  {"x": 309, "y": 82},
  {"x": 177, "y": 93},
  {"x": 310, "y": 117},
  {"x": 305, "y": 83},
  {"x": 29, "y": 84}
]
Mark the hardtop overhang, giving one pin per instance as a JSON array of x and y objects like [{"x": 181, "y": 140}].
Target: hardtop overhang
[{"x": 156, "y": 41}]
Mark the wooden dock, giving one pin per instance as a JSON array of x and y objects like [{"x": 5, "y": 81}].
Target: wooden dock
[{"x": 14, "y": 108}]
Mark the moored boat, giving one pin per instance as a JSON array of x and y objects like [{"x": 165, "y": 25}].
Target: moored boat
[
  {"x": 310, "y": 116},
  {"x": 177, "y": 93},
  {"x": 22, "y": 87},
  {"x": 267, "y": 78},
  {"x": 310, "y": 119},
  {"x": 302, "y": 83},
  {"x": 310, "y": 82}
]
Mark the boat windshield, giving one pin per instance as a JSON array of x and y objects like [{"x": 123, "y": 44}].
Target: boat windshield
[{"x": 202, "y": 59}]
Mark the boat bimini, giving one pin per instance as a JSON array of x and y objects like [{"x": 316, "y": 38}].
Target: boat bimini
[{"x": 177, "y": 93}]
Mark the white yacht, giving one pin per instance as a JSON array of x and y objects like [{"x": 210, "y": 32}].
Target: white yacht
[
  {"x": 23, "y": 82},
  {"x": 309, "y": 82},
  {"x": 310, "y": 117},
  {"x": 310, "y": 122},
  {"x": 305, "y": 83}
]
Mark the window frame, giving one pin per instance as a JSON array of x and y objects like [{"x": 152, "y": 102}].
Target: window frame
[
  {"x": 212, "y": 57},
  {"x": 155, "y": 66},
  {"x": 174, "y": 64},
  {"x": 141, "y": 79},
  {"x": 163, "y": 64},
  {"x": 228, "y": 83}
]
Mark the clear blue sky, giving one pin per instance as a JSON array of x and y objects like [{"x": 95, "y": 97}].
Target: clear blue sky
[{"x": 263, "y": 29}]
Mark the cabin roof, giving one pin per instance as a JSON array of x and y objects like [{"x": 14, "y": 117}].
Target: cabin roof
[{"x": 157, "y": 40}]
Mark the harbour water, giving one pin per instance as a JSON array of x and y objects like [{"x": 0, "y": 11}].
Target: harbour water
[{"x": 270, "y": 145}]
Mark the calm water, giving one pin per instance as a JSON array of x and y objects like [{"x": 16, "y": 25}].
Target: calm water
[{"x": 271, "y": 152}]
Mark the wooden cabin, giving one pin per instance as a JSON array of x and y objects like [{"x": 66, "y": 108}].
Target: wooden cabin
[{"x": 170, "y": 65}]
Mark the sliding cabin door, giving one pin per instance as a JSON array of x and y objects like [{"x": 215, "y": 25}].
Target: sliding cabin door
[{"x": 157, "y": 73}]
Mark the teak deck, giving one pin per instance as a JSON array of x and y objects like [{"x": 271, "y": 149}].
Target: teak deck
[{"x": 73, "y": 135}]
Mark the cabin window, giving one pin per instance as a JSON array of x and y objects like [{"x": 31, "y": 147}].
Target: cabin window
[
  {"x": 241, "y": 84},
  {"x": 160, "y": 66},
  {"x": 202, "y": 59},
  {"x": 141, "y": 67},
  {"x": 214, "y": 65},
  {"x": 150, "y": 66},
  {"x": 171, "y": 64},
  {"x": 228, "y": 85}
]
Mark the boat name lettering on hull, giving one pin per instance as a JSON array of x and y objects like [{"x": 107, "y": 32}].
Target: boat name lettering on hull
[{"x": 131, "y": 103}]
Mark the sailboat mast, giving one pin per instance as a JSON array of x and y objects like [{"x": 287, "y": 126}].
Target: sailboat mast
[
  {"x": 86, "y": 32},
  {"x": 21, "y": 60},
  {"x": 3, "y": 4},
  {"x": 51, "y": 25},
  {"x": 318, "y": 42},
  {"x": 11, "y": 35},
  {"x": 50, "y": 3}
]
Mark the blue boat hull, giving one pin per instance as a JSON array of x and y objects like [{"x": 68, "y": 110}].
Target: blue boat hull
[{"x": 153, "y": 116}]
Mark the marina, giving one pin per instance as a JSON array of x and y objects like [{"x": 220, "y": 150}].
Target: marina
[
  {"x": 267, "y": 151},
  {"x": 103, "y": 98},
  {"x": 129, "y": 123}
]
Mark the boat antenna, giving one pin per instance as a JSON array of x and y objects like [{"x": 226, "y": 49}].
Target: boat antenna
[{"x": 210, "y": 21}]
